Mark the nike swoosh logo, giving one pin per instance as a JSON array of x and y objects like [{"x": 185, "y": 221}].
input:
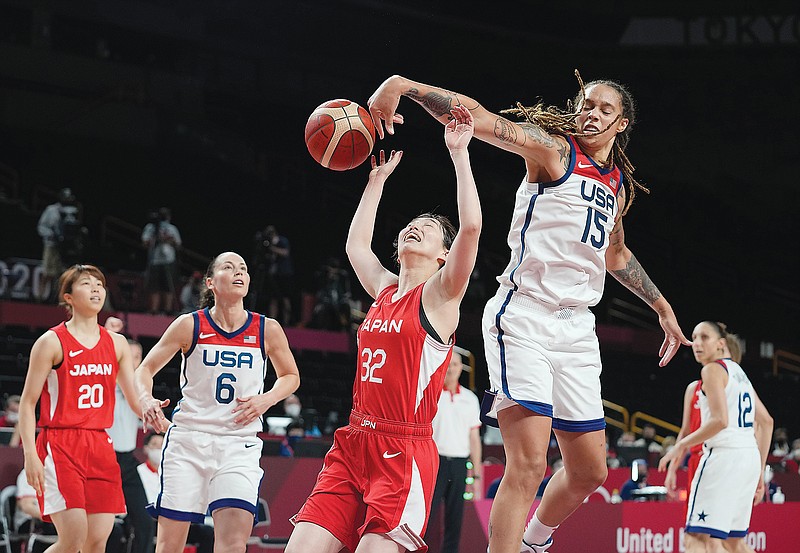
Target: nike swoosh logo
[
  {"x": 584, "y": 165},
  {"x": 250, "y": 445},
  {"x": 74, "y": 353},
  {"x": 387, "y": 455},
  {"x": 204, "y": 336}
]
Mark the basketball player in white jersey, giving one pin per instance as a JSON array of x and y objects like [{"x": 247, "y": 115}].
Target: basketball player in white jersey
[
  {"x": 735, "y": 431},
  {"x": 540, "y": 345},
  {"x": 211, "y": 454},
  {"x": 374, "y": 492}
]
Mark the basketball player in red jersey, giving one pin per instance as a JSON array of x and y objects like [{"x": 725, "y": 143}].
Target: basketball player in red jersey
[
  {"x": 375, "y": 489},
  {"x": 74, "y": 369}
]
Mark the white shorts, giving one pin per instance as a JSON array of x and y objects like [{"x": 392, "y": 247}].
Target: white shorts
[
  {"x": 544, "y": 358},
  {"x": 723, "y": 487},
  {"x": 201, "y": 472}
]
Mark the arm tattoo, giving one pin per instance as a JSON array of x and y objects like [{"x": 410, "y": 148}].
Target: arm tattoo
[
  {"x": 435, "y": 103},
  {"x": 537, "y": 134},
  {"x": 505, "y": 130},
  {"x": 563, "y": 155},
  {"x": 636, "y": 280}
]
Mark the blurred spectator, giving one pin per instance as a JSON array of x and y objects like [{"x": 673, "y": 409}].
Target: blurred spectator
[
  {"x": 292, "y": 406},
  {"x": 190, "y": 292},
  {"x": 162, "y": 240},
  {"x": 295, "y": 432},
  {"x": 628, "y": 439},
  {"x": 63, "y": 238},
  {"x": 305, "y": 419},
  {"x": 28, "y": 517},
  {"x": 649, "y": 437},
  {"x": 612, "y": 461},
  {"x": 332, "y": 309},
  {"x": 456, "y": 432},
  {"x": 637, "y": 480},
  {"x": 200, "y": 533},
  {"x": 780, "y": 442},
  {"x": 273, "y": 275},
  {"x": 794, "y": 454},
  {"x": 10, "y": 416}
]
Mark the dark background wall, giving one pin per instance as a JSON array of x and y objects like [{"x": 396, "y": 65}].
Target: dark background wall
[{"x": 200, "y": 106}]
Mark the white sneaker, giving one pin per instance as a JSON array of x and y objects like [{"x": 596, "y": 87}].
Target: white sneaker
[
  {"x": 529, "y": 548},
  {"x": 533, "y": 548}
]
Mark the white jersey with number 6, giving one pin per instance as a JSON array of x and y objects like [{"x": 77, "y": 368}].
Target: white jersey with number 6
[{"x": 218, "y": 368}]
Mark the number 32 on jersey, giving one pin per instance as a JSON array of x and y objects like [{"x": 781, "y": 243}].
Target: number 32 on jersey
[{"x": 371, "y": 362}]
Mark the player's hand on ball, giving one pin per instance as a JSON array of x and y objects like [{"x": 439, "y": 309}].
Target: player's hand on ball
[
  {"x": 382, "y": 106},
  {"x": 459, "y": 131},
  {"x": 381, "y": 167}
]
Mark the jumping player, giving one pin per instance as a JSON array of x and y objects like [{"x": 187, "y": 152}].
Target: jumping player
[
  {"x": 735, "y": 431},
  {"x": 211, "y": 459},
  {"x": 74, "y": 369},
  {"x": 540, "y": 344},
  {"x": 375, "y": 488}
]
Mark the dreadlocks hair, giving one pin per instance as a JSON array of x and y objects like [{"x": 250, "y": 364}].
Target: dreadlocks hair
[{"x": 554, "y": 120}]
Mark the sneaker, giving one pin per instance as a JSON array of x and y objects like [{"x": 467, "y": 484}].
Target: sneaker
[
  {"x": 529, "y": 548},
  {"x": 533, "y": 548}
]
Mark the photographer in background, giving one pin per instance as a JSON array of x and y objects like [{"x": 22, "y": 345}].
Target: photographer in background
[
  {"x": 63, "y": 238},
  {"x": 273, "y": 275},
  {"x": 162, "y": 240}
]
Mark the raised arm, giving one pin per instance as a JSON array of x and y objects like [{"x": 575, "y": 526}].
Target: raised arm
[
  {"x": 539, "y": 149},
  {"x": 373, "y": 276},
  {"x": 624, "y": 267},
  {"x": 454, "y": 276},
  {"x": 177, "y": 337}
]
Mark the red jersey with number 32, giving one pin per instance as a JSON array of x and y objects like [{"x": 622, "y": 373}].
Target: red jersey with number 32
[
  {"x": 401, "y": 367},
  {"x": 79, "y": 393}
]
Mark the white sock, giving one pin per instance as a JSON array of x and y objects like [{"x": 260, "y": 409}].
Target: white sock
[{"x": 537, "y": 533}]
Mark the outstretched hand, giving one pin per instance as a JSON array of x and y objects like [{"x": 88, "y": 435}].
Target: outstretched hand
[
  {"x": 382, "y": 168},
  {"x": 673, "y": 338},
  {"x": 459, "y": 131},
  {"x": 382, "y": 107}
]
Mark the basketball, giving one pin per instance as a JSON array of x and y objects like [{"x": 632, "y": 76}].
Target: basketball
[{"x": 340, "y": 135}]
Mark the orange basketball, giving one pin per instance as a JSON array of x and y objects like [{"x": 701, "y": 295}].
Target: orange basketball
[{"x": 340, "y": 135}]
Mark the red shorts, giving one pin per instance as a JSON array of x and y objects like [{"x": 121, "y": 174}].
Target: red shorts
[
  {"x": 378, "y": 478},
  {"x": 80, "y": 472}
]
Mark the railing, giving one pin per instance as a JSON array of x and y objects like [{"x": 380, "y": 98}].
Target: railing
[
  {"x": 632, "y": 314},
  {"x": 785, "y": 360},
  {"x": 623, "y": 424},
  {"x": 655, "y": 421}
]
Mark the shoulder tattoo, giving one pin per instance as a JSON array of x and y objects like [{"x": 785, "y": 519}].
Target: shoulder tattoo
[{"x": 535, "y": 133}]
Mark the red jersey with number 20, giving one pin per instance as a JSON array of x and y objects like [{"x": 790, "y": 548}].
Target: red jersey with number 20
[
  {"x": 80, "y": 392},
  {"x": 401, "y": 367}
]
